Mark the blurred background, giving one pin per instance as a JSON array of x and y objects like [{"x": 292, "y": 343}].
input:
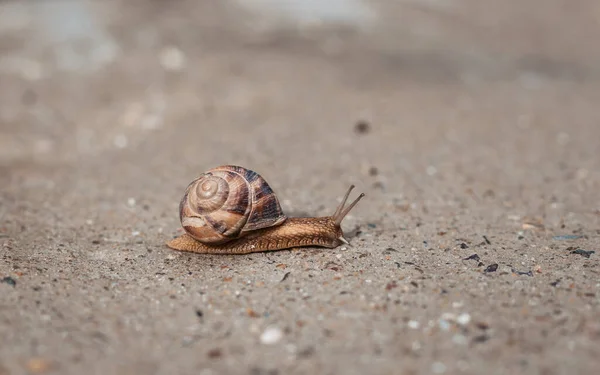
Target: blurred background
[{"x": 81, "y": 78}]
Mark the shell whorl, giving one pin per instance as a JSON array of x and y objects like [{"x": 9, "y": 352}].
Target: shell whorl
[{"x": 226, "y": 202}]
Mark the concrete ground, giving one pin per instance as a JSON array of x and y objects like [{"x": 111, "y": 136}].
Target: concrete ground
[{"x": 472, "y": 126}]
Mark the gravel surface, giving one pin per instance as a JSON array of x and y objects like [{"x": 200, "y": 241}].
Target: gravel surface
[{"x": 472, "y": 126}]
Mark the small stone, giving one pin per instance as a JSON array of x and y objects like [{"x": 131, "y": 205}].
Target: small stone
[
  {"x": 481, "y": 338},
  {"x": 463, "y": 319},
  {"x": 491, "y": 268},
  {"x": 584, "y": 253},
  {"x": 271, "y": 336},
  {"x": 215, "y": 353},
  {"x": 413, "y": 324},
  {"x": 9, "y": 280},
  {"x": 431, "y": 170},
  {"x": 362, "y": 127},
  {"x": 131, "y": 202}
]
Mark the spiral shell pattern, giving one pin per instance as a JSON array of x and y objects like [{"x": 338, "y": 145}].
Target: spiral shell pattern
[{"x": 227, "y": 202}]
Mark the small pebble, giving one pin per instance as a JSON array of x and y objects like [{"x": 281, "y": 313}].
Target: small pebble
[
  {"x": 271, "y": 336},
  {"x": 362, "y": 127},
  {"x": 131, "y": 202},
  {"x": 9, "y": 280},
  {"x": 463, "y": 319},
  {"x": 215, "y": 353},
  {"x": 584, "y": 253},
  {"x": 491, "y": 268},
  {"x": 413, "y": 324},
  {"x": 481, "y": 338}
]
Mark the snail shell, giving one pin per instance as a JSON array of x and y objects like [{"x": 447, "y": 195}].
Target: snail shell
[{"x": 226, "y": 202}]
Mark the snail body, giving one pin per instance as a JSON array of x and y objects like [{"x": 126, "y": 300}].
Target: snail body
[{"x": 233, "y": 210}]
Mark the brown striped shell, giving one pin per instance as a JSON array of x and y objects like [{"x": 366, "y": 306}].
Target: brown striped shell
[{"x": 226, "y": 202}]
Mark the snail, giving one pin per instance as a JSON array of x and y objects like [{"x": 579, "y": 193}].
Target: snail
[{"x": 233, "y": 210}]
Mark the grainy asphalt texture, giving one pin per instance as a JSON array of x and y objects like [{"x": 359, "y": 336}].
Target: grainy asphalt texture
[{"x": 473, "y": 127}]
